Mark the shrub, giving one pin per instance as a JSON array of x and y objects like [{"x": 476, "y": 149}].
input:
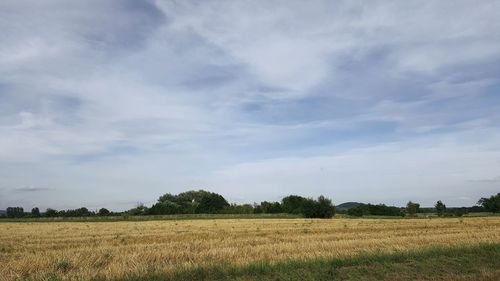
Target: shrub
[
  {"x": 412, "y": 208},
  {"x": 293, "y": 204},
  {"x": 358, "y": 211},
  {"x": 189, "y": 202},
  {"x": 320, "y": 208},
  {"x": 103, "y": 212},
  {"x": 375, "y": 210},
  {"x": 50, "y": 213},
  {"x": 271, "y": 207}
]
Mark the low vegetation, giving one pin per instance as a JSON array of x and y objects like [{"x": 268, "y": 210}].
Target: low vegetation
[
  {"x": 151, "y": 249},
  {"x": 478, "y": 263},
  {"x": 182, "y": 237},
  {"x": 204, "y": 202},
  {"x": 198, "y": 202}
]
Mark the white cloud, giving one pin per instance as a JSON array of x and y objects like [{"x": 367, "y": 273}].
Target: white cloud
[
  {"x": 425, "y": 170},
  {"x": 111, "y": 96}
]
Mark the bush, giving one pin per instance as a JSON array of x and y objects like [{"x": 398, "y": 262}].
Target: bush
[
  {"x": 80, "y": 212},
  {"x": 139, "y": 210},
  {"x": 320, "y": 208},
  {"x": 358, "y": 211},
  {"x": 271, "y": 207},
  {"x": 383, "y": 210},
  {"x": 375, "y": 210},
  {"x": 293, "y": 204},
  {"x": 103, "y": 212},
  {"x": 190, "y": 202},
  {"x": 211, "y": 203},
  {"x": 459, "y": 212},
  {"x": 165, "y": 208},
  {"x": 51, "y": 213},
  {"x": 239, "y": 209},
  {"x": 412, "y": 208}
]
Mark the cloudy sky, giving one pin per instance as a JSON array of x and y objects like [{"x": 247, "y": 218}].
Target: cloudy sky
[{"x": 110, "y": 103}]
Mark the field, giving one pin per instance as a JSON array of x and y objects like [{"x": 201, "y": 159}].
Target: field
[{"x": 131, "y": 249}]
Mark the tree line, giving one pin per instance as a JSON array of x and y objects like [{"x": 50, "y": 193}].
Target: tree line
[
  {"x": 491, "y": 204},
  {"x": 198, "y": 202},
  {"x": 205, "y": 202}
]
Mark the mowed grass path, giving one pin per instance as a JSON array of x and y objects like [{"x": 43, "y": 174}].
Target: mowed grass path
[{"x": 78, "y": 250}]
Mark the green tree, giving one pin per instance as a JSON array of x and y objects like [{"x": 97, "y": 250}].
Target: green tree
[
  {"x": 167, "y": 197},
  {"x": 491, "y": 204},
  {"x": 165, "y": 208},
  {"x": 293, "y": 204},
  {"x": 358, "y": 211},
  {"x": 375, "y": 210},
  {"x": 190, "y": 202},
  {"x": 103, "y": 212},
  {"x": 412, "y": 208},
  {"x": 80, "y": 212},
  {"x": 35, "y": 212},
  {"x": 459, "y": 211},
  {"x": 320, "y": 208},
  {"x": 271, "y": 207},
  {"x": 15, "y": 212},
  {"x": 440, "y": 208},
  {"x": 51, "y": 213},
  {"x": 238, "y": 209},
  {"x": 257, "y": 208},
  {"x": 211, "y": 203},
  {"x": 139, "y": 210}
]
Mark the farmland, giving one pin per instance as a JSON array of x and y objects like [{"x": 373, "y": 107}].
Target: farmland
[{"x": 113, "y": 250}]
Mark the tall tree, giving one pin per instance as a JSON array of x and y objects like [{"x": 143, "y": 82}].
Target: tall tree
[
  {"x": 440, "y": 208},
  {"x": 211, "y": 203},
  {"x": 491, "y": 204},
  {"x": 412, "y": 208},
  {"x": 190, "y": 202},
  {"x": 320, "y": 208},
  {"x": 271, "y": 207},
  {"x": 15, "y": 212},
  {"x": 103, "y": 212},
  {"x": 35, "y": 212},
  {"x": 51, "y": 213},
  {"x": 293, "y": 204}
]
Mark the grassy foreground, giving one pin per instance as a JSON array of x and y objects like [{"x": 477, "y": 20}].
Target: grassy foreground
[
  {"x": 90, "y": 250},
  {"x": 480, "y": 262}
]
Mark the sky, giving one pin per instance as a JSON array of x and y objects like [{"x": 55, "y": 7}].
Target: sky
[{"x": 114, "y": 103}]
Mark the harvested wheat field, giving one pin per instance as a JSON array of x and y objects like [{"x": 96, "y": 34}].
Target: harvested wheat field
[{"x": 82, "y": 251}]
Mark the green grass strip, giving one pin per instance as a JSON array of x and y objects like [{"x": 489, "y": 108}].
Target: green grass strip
[{"x": 480, "y": 262}]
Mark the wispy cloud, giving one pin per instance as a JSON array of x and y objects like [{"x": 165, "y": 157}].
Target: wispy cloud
[
  {"x": 31, "y": 189},
  {"x": 98, "y": 98},
  {"x": 489, "y": 180}
]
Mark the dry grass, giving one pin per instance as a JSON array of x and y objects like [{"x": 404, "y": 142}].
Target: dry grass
[{"x": 110, "y": 249}]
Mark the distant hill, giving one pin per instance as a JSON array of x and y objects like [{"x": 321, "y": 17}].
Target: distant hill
[
  {"x": 348, "y": 205},
  {"x": 3, "y": 212}
]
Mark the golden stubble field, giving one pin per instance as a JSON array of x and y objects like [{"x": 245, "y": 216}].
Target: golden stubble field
[{"x": 82, "y": 250}]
